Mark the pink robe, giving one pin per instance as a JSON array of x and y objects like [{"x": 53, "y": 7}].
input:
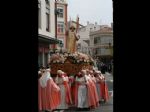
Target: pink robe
[
  {"x": 72, "y": 89},
  {"x": 63, "y": 83},
  {"x": 106, "y": 96},
  {"x": 104, "y": 90},
  {"x": 49, "y": 96},
  {"x": 94, "y": 93},
  {"x": 91, "y": 97},
  {"x": 68, "y": 93}
]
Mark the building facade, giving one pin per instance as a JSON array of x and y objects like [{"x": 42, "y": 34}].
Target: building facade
[
  {"x": 101, "y": 43},
  {"x": 46, "y": 30},
  {"x": 84, "y": 32},
  {"x": 62, "y": 21}
]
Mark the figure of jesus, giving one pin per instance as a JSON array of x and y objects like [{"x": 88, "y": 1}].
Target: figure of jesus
[{"x": 72, "y": 37}]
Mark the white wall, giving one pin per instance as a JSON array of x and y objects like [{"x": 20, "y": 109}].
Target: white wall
[
  {"x": 84, "y": 35},
  {"x": 43, "y": 19},
  {"x": 84, "y": 46}
]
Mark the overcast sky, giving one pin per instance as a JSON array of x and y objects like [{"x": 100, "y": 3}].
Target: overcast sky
[{"x": 99, "y": 11}]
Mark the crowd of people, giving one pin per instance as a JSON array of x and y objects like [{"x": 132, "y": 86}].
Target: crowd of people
[
  {"x": 87, "y": 89},
  {"x": 104, "y": 67}
]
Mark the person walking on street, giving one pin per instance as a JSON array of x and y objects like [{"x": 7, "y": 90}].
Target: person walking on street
[
  {"x": 48, "y": 92},
  {"x": 63, "y": 83}
]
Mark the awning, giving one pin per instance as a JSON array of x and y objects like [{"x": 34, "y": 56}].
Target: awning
[{"x": 49, "y": 40}]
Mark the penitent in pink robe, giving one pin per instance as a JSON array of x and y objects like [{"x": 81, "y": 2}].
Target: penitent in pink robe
[
  {"x": 93, "y": 93},
  {"x": 104, "y": 90},
  {"x": 49, "y": 96}
]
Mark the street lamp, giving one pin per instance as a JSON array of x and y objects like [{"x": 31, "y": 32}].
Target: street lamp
[
  {"x": 49, "y": 55},
  {"x": 61, "y": 45}
]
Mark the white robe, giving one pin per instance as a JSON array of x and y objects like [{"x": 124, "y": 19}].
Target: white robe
[
  {"x": 82, "y": 94},
  {"x": 63, "y": 104}
]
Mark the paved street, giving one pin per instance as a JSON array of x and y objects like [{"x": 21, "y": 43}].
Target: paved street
[{"x": 104, "y": 107}]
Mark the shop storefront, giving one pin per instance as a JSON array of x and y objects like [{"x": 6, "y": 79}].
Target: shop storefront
[{"x": 44, "y": 48}]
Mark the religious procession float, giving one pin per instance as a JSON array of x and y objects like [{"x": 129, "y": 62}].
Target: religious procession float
[{"x": 70, "y": 63}]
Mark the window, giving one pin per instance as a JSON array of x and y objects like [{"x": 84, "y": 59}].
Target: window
[
  {"x": 47, "y": 1},
  {"x": 95, "y": 40},
  {"x": 96, "y": 51},
  {"x": 60, "y": 14},
  {"x": 47, "y": 22},
  {"x": 103, "y": 40},
  {"x": 40, "y": 59},
  {"x": 61, "y": 0},
  {"x": 46, "y": 59},
  {"x": 47, "y": 15},
  {"x": 83, "y": 29},
  {"x": 105, "y": 51},
  {"x": 39, "y": 14},
  {"x": 60, "y": 27},
  {"x": 111, "y": 41},
  {"x": 79, "y": 46}
]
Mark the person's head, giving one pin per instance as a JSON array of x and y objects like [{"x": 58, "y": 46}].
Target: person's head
[
  {"x": 79, "y": 74},
  {"x": 64, "y": 74},
  {"x": 72, "y": 28},
  {"x": 91, "y": 73},
  {"x": 95, "y": 74},
  {"x": 39, "y": 74},
  {"x": 47, "y": 66},
  {"x": 59, "y": 73},
  {"x": 83, "y": 72},
  {"x": 98, "y": 73},
  {"x": 103, "y": 77},
  {"x": 43, "y": 69},
  {"x": 48, "y": 70},
  {"x": 87, "y": 71},
  {"x": 46, "y": 73}
]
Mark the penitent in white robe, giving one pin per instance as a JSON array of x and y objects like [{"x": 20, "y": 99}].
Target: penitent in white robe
[
  {"x": 82, "y": 94},
  {"x": 63, "y": 104}
]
